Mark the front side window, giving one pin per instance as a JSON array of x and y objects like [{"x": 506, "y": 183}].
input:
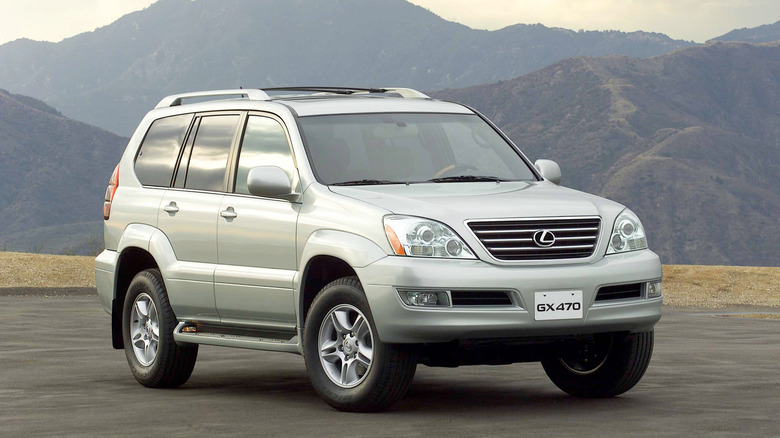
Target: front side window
[
  {"x": 160, "y": 149},
  {"x": 210, "y": 151},
  {"x": 409, "y": 148},
  {"x": 264, "y": 144}
]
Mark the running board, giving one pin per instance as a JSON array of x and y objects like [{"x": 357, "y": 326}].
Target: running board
[{"x": 189, "y": 333}]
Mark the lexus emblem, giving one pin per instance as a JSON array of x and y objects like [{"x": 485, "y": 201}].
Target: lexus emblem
[{"x": 544, "y": 238}]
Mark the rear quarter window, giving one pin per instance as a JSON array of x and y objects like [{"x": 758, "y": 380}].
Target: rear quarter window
[{"x": 160, "y": 149}]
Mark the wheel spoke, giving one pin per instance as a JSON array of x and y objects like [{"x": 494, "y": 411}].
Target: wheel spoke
[
  {"x": 152, "y": 313},
  {"x": 349, "y": 372},
  {"x": 155, "y": 332},
  {"x": 338, "y": 319},
  {"x": 136, "y": 334},
  {"x": 153, "y": 349},
  {"x": 364, "y": 359},
  {"x": 142, "y": 307},
  {"x": 359, "y": 325},
  {"x": 330, "y": 352}
]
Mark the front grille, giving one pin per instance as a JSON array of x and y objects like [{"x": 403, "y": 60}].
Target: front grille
[
  {"x": 513, "y": 240},
  {"x": 619, "y": 292},
  {"x": 480, "y": 298}
]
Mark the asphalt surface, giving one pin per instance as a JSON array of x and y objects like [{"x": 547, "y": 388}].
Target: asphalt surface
[{"x": 710, "y": 376}]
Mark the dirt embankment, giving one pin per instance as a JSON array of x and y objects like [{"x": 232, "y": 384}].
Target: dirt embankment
[{"x": 709, "y": 287}]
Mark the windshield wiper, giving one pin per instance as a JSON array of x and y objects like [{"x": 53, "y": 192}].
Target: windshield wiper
[
  {"x": 466, "y": 178},
  {"x": 367, "y": 182}
]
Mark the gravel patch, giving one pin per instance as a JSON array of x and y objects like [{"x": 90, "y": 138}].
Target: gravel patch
[
  {"x": 45, "y": 270},
  {"x": 720, "y": 287},
  {"x": 686, "y": 286}
]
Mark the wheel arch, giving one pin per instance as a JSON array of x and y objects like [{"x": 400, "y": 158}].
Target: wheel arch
[
  {"x": 131, "y": 261},
  {"x": 329, "y": 255},
  {"x": 141, "y": 247}
]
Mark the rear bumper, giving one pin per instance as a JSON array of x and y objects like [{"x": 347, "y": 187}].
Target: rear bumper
[
  {"x": 105, "y": 268},
  {"x": 397, "y": 322}
]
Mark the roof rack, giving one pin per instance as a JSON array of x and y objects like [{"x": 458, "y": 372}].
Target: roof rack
[
  {"x": 175, "y": 100},
  {"x": 260, "y": 94}
]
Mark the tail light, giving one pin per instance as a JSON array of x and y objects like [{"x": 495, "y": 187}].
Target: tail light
[{"x": 113, "y": 183}]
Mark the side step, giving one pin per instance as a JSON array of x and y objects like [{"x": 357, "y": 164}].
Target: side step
[{"x": 238, "y": 337}]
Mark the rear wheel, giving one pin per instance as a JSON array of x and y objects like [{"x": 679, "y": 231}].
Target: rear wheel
[
  {"x": 606, "y": 366},
  {"x": 348, "y": 365},
  {"x": 147, "y": 327}
]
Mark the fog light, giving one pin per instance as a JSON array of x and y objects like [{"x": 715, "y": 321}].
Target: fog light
[
  {"x": 425, "y": 298},
  {"x": 653, "y": 289}
]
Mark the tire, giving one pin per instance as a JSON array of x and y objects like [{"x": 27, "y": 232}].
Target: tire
[
  {"x": 377, "y": 374},
  {"x": 609, "y": 366},
  {"x": 155, "y": 360}
]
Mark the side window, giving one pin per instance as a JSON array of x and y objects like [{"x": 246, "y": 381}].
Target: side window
[
  {"x": 264, "y": 144},
  {"x": 208, "y": 162},
  {"x": 160, "y": 149}
]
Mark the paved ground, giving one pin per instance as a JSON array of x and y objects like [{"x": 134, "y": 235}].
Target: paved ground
[{"x": 709, "y": 376}]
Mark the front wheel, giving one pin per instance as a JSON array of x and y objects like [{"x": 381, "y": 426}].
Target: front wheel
[
  {"x": 606, "y": 366},
  {"x": 348, "y": 365}
]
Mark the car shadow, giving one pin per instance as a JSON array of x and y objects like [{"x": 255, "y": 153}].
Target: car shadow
[{"x": 426, "y": 395}]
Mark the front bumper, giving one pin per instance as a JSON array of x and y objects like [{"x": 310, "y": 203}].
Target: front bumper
[{"x": 399, "y": 323}]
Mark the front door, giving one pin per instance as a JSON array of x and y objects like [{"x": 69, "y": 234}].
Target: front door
[{"x": 256, "y": 236}]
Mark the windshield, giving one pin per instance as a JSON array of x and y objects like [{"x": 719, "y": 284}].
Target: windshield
[{"x": 366, "y": 149}]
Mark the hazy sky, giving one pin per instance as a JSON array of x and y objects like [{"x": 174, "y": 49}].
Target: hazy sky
[{"x": 697, "y": 20}]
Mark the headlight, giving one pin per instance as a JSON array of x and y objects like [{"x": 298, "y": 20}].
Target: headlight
[
  {"x": 627, "y": 234},
  {"x": 418, "y": 237}
]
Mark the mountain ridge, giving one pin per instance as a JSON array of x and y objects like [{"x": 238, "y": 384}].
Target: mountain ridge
[
  {"x": 688, "y": 140},
  {"x": 760, "y": 34},
  {"x": 52, "y": 171},
  {"x": 111, "y": 76}
]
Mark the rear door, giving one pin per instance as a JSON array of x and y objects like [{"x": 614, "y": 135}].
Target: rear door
[
  {"x": 189, "y": 211},
  {"x": 256, "y": 236}
]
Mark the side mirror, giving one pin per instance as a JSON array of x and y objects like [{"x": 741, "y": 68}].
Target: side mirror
[
  {"x": 269, "y": 182},
  {"x": 549, "y": 170}
]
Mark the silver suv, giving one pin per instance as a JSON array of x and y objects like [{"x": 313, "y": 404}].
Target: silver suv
[{"x": 369, "y": 230}]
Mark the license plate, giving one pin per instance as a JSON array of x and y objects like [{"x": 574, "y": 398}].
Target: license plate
[{"x": 558, "y": 305}]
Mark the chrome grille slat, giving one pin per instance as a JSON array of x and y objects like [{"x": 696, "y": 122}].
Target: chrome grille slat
[
  {"x": 531, "y": 240},
  {"x": 527, "y": 248},
  {"x": 512, "y": 240},
  {"x": 509, "y": 230}
]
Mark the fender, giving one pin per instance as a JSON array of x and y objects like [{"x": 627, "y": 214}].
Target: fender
[
  {"x": 185, "y": 281},
  {"x": 135, "y": 235},
  {"x": 357, "y": 251}
]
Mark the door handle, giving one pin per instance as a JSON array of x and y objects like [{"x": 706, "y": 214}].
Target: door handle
[
  {"x": 230, "y": 213},
  {"x": 171, "y": 208}
]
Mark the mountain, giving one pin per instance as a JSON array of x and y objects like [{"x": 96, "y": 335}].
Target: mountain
[
  {"x": 53, "y": 172},
  {"x": 112, "y": 76},
  {"x": 689, "y": 140},
  {"x": 761, "y": 34}
]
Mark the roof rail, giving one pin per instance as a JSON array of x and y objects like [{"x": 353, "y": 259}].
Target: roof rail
[
  {"x": 260, "y": 94},
  {"x": 407, "y": 93},
  {"x": 175, "y": 100}
]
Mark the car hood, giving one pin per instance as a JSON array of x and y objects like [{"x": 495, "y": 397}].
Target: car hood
[{"x": 454, "y": 203}]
